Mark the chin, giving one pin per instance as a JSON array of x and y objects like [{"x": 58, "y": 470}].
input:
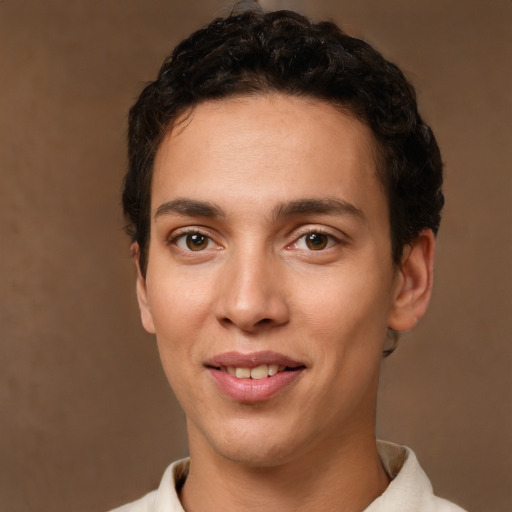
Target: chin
[
  {"x": 255, "y": 447},
  {"x": 255, "y": 455}
]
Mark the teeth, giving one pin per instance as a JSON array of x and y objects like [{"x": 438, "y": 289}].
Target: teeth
[
  {"x": 242, "y": 373},
  {"x": 259, "y": 372},
  {"x": 273, "y": 369}
]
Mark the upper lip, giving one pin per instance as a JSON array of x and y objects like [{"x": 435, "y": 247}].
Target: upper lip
[{"x": 251, "y": 360}]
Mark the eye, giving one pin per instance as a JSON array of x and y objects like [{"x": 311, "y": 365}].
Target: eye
[
  {"x": 193, "y": 242},
  {"x": 315, "y": 241}
]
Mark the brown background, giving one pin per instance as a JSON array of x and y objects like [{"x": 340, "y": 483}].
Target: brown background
[{"x": 87, "y": 421}]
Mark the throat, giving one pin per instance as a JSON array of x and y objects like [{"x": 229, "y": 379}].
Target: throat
[{"x": 344, "y": 483}]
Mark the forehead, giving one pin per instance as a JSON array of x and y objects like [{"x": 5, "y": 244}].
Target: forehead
[{"x": 264, "y": 147}]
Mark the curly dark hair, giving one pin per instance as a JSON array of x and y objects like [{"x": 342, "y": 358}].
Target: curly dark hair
[{"x": 256, "y": 53}]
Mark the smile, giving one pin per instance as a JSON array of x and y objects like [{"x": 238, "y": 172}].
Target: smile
[
  {"x": 259, "y": 372},
  {"x": 256, "y": 377}
]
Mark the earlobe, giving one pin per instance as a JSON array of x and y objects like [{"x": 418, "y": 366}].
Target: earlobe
[
  {"x": 414, "y": 283},
  {"x": 141, "y": 290}
]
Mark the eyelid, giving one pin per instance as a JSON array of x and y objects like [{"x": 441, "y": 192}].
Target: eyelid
[
  {"x": 339, "y": 237},
  {"x": 301, "y": 243},
  {"x": 334, "y": 234},
  {"x": 173, "y": 237}
]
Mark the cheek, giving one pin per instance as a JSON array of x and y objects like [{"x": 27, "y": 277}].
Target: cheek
[
  {"x": 346, "y": 330},
  {"x": 178, "y": 301},
  {"x": 344, "y": 303},
  {"x": 179, "y": 308}
]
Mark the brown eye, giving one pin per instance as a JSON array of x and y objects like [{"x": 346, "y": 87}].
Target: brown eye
[
  {"x": 196, "y": 241},
  {"x": 316, "y": 241}
]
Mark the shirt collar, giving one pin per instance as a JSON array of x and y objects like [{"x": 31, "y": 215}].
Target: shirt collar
[{"x": 409, "y": 485}]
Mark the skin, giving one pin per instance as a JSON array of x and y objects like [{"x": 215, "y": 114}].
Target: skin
[{"x": 256, "y": 285}]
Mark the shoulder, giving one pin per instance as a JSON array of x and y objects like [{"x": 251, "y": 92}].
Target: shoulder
[
  {"x": 410, "y": 489},
  {"x": 441, "y": 505},
  {"x": 144, "y": 504},
  {"x": 165, "y": 498}
]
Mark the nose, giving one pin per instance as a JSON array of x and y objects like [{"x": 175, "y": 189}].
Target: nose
[{"x": 251, "y": 294}]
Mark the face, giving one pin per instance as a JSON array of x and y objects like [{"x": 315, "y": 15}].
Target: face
[{"x": 270, "y": 283}]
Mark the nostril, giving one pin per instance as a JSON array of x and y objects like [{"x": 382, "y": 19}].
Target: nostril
[
  {"x": 264, "y": 321},
  {"x": 247, "y": 325}
]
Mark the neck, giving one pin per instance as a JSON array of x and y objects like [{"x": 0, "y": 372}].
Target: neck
[{"x": 345, "y": 477}]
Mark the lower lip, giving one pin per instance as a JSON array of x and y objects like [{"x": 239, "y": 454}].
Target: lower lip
[{"x": 253, "y": 390}]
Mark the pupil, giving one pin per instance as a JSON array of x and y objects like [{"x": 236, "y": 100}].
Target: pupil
[
  {"x": 196, "y": 242},
  {"x": 316, "y": 241}
]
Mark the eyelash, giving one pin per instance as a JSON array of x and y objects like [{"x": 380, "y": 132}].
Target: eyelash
[
  {"x": 183, "y": 236},
  {"x": 331, "y": 240}
]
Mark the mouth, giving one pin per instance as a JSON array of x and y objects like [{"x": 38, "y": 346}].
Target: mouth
[
  {"x": 257, "y": 365},
  {"x": 262, "y": 371},
  {"x": 253, "y": 377}
]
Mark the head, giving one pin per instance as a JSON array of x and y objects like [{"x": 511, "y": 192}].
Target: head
[
  {"x": 282, "y": 197},
  {"x": 254, "y": 53}
]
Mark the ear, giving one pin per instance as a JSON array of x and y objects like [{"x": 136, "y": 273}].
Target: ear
[
  {"x": 142, "y": 295},
  {"x": 414, "y": 283}
]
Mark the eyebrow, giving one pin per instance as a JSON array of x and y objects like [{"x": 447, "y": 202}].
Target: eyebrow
[
  {"x": 189, "y": 208},
  {"x": 326, "y": 206}
]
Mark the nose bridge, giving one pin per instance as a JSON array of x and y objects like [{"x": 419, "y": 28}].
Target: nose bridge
[{"x": 251, "y": 295}]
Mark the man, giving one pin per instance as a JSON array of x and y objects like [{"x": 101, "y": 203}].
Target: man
[{"x": 283, "y": 196}]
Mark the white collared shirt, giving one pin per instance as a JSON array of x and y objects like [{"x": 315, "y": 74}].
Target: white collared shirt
[{"x": 409, "y": 491}]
